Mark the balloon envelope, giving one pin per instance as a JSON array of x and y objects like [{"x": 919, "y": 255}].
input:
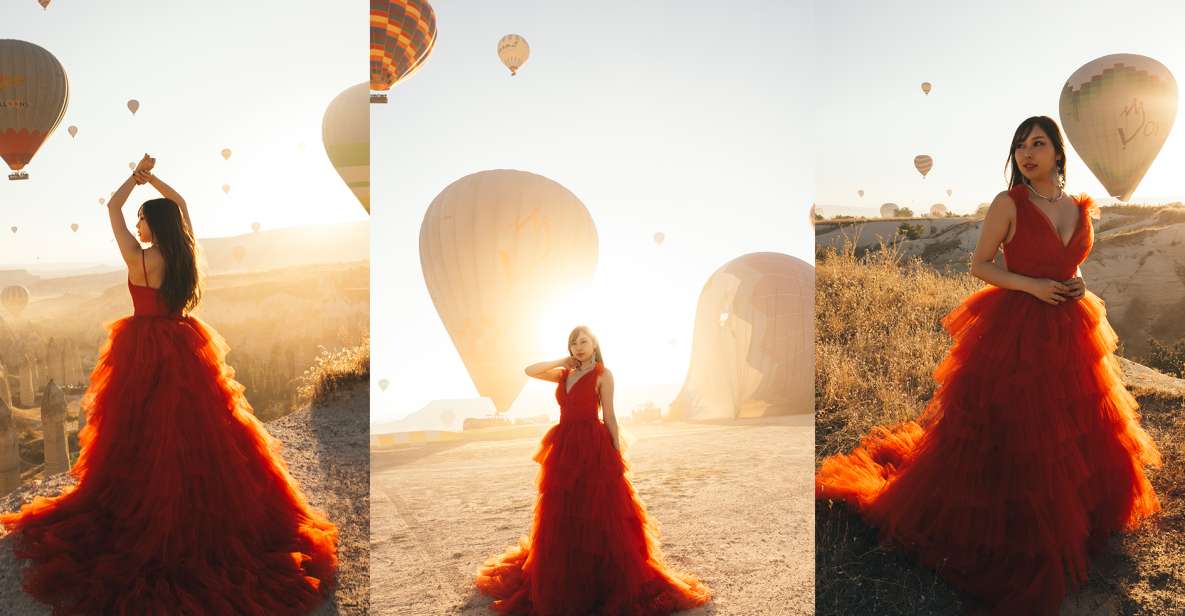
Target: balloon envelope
[
  {"x": 73, "y": 130},
  {"x": 402, "y": 35},
  {"x": 888, "y": 210},
  {"x": 345, "y": 131},
  {"x": 14, "y": 298},
  {"x": 34, "y": 92},
  {"x": 133, "y": 106},
  {"x": 923, "y": 163},
  {"x": 497, "y": 249},
  {"x": 255, "y": 227},
  {"x": 938, "y": 210},
  {"x": 74, "y": 227},
  {"x": 226, "y": 188},
  {"x": 226, "y": 154},
  {"x": 513, "y": 50},
  {"x": 659, "y": 238},
  {"x": 926, "y": 87},
  {"x": 753, "y": 350},
  {"x": 860, "y": 192},
  {"x": 949, "y": 192},
  {"x": 1117, "y": 111}
]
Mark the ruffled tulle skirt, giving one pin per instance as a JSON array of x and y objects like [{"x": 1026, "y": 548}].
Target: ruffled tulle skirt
[
  {"x": 593, "y": 549},
  {"x": 1028, "y": 456},
  {"x": 183, "y": 504}
]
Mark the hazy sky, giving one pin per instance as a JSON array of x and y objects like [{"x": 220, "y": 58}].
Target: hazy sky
[
  {"x": 687, "y": 118},
  {"x": 992, "y": 65},
  {"x": 251, "y": 76}
]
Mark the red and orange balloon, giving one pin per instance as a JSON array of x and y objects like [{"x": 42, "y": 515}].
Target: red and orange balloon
[{"x": 402, "y": 33}]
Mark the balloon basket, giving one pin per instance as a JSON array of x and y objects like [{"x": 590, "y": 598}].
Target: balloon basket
[
  {"x": 19, "y": 175},
  {"x": 378, "y": 99}
]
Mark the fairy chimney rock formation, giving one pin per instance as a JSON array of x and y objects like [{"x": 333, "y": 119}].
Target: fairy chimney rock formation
[
  {"x": 10, "y": 460},
  {"x": 53, "y": 424},
  {"x": 27, "y": 394},
  {"x": 5, "y": 390}
]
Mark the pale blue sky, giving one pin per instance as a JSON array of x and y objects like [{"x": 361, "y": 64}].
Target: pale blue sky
[
  {"x": 682, "y": 117},
  {"x": 252, "y": 76},
  {"x": 992, "y": 64}
]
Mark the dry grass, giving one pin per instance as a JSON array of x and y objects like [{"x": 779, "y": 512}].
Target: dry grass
[
  {"x": 877, "y": 340},
  {"x": 332, "y": 372}
]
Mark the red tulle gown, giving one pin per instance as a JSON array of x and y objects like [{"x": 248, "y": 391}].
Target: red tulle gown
[
  {"x": 593, "y": 549},
  {"x": 182, "y": 504},
  {"x": 1030, "y": 452}
]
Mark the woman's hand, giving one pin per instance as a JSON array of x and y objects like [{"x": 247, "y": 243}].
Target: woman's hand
[
  {"x": 568, "y": 362},
  {"x": 145, "y": 165},
  {"x": 1077, "y": 288},
  {"x": 141, "y": 177},
  {"x": 1049, "y": 291}
]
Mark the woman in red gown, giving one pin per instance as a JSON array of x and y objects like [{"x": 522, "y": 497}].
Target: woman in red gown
[
  {"x": 1030, "y": 453},
  {"x": 593, "y": 549},
  {"x": 182, "y": 503}
]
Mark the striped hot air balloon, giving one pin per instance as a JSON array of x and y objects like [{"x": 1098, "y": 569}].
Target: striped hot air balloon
[
  {"x": 926, "y": 87},
  {"x": 1117, "y": 111},
  {"x": 34, "y": 93},
  {"x": 345, "y": 131},
  {"x": 15, "y": 298},
  {"x": 402, "y": 34},
  {"x": 923, "y": 163}
]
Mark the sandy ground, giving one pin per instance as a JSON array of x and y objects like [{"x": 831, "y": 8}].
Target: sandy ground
[
  {"x": 734, "y": 500},
  {"x": 326, "y": 451}
]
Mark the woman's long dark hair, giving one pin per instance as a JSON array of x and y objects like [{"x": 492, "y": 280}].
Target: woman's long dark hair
[
  {"x": 1050, "y": 127},
  {"x": 181, "y": 289}
]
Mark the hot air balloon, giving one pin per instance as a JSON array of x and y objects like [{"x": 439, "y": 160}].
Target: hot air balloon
[
  {"x": 34, "y": 92},
  {"x": 513, "y": 51},
  {"x": 938, "y": 210},
  {"x": 226, "y": 154},
  {"x": 1117, "y": 111},
  {"x": 44, "y": 3},
  {"x": 74, "y": 227},
  {"x": 133, "y": 106},
  {"x": 923, "y": 163},
  {"x": 255, "y": 227},
  {"x": 383, "y": 384},
  {"x": 345, "y": 131},
  {"x": 226, "y": 188},
  {"x": 926, "y": 87},
  {"x": 132, "y": 166},
  {"x": 753, "y": 351},
  {"x": 860, "y": 192},
  {"x": 238, "y": 253},
  {"x": 949, "y": 192},
  {"x": 73, "y": 130},
  {"x": 14, "y": 298},
  {"x": 888, "y": 210},
  {"x": 102, "y": 201},
  {"x": 659, "y": 238},
  {"x": 13, "y": 229},
  {"x": 402, "y": 34},
  {"x": 497, "y": 248}
]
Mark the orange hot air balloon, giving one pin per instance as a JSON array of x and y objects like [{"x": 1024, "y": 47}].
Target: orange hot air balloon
[
  {"x": 659, "y": 238},
  {"x": 44, "y": 3},
  {"x": 15, "y": 298},
  {"x": 226, "y": 188},
  {"x": 926, "y": 87},
  {"x": 255, "y": 227},
  {"x": 226, "y": 154},
  {"x": 34, "y": 93},
  {"x": 923, "y": 163},
  {"x": 133, "y": 106},
  {"x": 402, "y": 34},
  {"x": 74, "y": 227},
  {"x": 73, "y": 130}
]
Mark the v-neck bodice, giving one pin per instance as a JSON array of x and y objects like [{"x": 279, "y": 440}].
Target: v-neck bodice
[
  {"x": 1036, "y": 249},
  {"x": 581, "y": 403}
]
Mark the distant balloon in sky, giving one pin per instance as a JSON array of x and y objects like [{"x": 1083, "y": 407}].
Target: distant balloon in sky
[
  {"x": 14, "y": 298},
  {"x": 938, "y": 210},
  {"x": 226, "y": 188},
  {"x": 133, "y": 106},
  {"x": 132, "y": 166},
  {"x": 513, "y": 51},
  {"x": 73, "y": 130},
  {"x": 102, "y": 201},
  {"x": 34, "y": 94},
  {"x": 923, "y": 163},
  {"x": 345, "y": 131},
  {"x": 74, "y": 227},
  {"x": 752, "y": 354},
  {"x": 13, "y": 229},
  {"x": 926, "y": 87},
  {"x": 402, "y": 35},
  {"x": 383, "y": 384},
  {"x": 949, "y": 192},
  {"x": 44, "y": 3},
  {"x": 255, "y": 227},
  {"x": 497, "y": 249},
  {"x": 226, "y": 154},
  {"x": 860, "y": 192},
  {"x": 659, "y": 238},
  {"x": 888, "y": 210},
  {"x": 1117, "y": 111}
]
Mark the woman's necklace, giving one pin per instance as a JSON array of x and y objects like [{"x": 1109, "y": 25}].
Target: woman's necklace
[{"x": 1047, "y": 199}]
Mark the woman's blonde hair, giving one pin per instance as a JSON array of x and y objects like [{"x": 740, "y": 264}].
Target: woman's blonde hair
[{"x": 583, "y": 329}]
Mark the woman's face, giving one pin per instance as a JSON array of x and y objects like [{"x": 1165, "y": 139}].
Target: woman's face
[
  {"x": 1036, "y": 156},
  {"x": 142, "y": 229},
  {"x": 582, "y": 349}
]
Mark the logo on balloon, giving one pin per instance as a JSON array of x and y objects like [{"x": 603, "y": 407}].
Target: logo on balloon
[{"x": 11, "y": 81}]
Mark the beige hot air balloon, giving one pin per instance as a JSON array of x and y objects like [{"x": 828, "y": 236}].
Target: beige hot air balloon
[
  {"x": 13, "y": 228},
  {"x": 255, "y": 227},
  {"x": 15, "y": 298},
  {"x": 74, "y": 227},
  {"x": 226, "y": 189},
  {"x": 860, "y": 192},
  {"x": 132, "y": 166},
  {"x": 44, "y": 3},
  {"x": 497, "y": 249},
  {"x": 949, "y": 192},
  {"x": 225, "y": 153},
  {"x": 753, "y": 351},
  {"x": 383, "y": 384},
  {"x": 133, "y": 106},
  {"x": 102, "y": 201},
  {"x": 938, "y": 210},
  {"x": 923, "y": 163},
  {"x": 888, "y": 210},
  {"x": 73, "y": 130},
  {"x": 513, "y": 51},
  {"x": 1117, "y": 111},
  {"x": 345, "y": 131},
  {"x": 926, "y": 87},
  {"x": 34, "y": 93},
  {"x": 659, "y": 238}
]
